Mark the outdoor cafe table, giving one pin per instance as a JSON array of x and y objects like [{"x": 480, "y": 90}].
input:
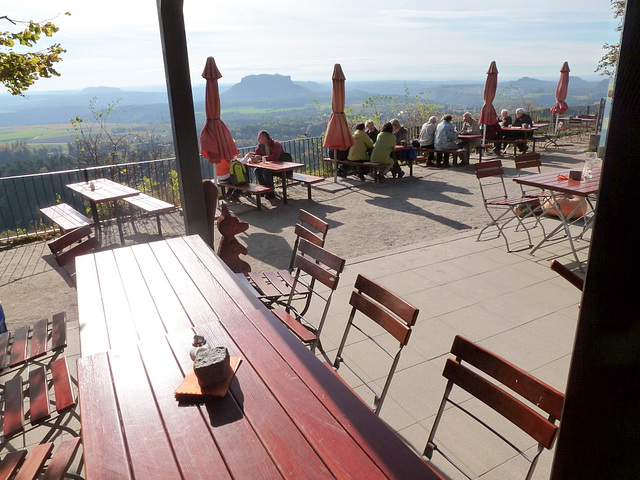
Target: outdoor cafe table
[
  {"x": 286, "y": 414},
  {"x": 558, "y": 184},
  {"x": 104, "y": 190},
  {"x": 467, "y": 137},
  {"x": 280, "y": 169}
]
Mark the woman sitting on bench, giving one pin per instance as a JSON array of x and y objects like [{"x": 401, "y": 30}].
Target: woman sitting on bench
[
  {"x": 269, "y": 151},
  {"x": 359, "y": 151},
  {"x": 382, "y": 150}
]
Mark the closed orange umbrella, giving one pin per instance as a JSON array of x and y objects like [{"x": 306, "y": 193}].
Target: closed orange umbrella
[
  {"x": 338, "y": 136},
  {"x": 562, "y": 89},
  {"x": 216, "y": 142},
  {"x": 488, "y": 115}
]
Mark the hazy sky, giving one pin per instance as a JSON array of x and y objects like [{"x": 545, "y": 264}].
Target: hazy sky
[{"x": 117, "y": 43}]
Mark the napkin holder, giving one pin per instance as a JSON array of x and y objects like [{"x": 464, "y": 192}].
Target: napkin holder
[{"x": 575, "y": 174}]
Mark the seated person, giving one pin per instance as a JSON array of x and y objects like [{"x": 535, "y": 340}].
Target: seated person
[
  {"x": 371, "y": 131},
  {"x": 446, "y": 139},
  {"x": 269, "y": 151},
  {"x": 470, "y": 127},
  {"x": 427, "y": 135},
  {"x": 401, "y": 134},
  {"x": 359, "y": 151},
  {"x": 522, "y": 118},
  {"x": 383, "y": 149},
  {"x": 505, "y": 121}
]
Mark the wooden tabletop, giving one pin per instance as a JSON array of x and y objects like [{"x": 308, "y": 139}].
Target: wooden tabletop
[
  {"x": 286, "y": 415},
  {"x": 558, "y": 181},
  {"x": 104, "y": 190},
  {"x": 277, "y": 167}
]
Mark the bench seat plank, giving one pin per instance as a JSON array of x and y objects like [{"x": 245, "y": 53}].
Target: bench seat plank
[
  {"x": 38, "y": 395},
  {"x": 253, "y": 188},
  {"x": 150, "y": 204},
  {"x": 62, "y": 384},
  {"x": 306, "y": 179},
  {"x": 66, "y": 217},
  {"x": 13, "y": 401},
  {"x": 303, "y": 333}
]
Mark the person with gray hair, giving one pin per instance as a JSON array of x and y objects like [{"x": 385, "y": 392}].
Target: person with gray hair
[
  {"x": 446, "y": 138},
  {"x": 470, "y": 127},
  {"x": 371, "y": 130},
  {"x": 427, "y": 136},
  {"x": 522, "y": 118}
]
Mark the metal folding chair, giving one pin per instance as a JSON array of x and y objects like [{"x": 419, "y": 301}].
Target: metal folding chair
[
  {"x": 501, "y": 208},
  {"x": 275, "y": 286},
  {"x": 313, "y": 267},
  {"x": 522, "y": 399},
  {"x": 388, "y": 311}
]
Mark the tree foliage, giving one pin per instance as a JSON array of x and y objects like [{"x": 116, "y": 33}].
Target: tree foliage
[
  {"x": 609, "y": 61},
  {"x": 19, "y": 71}
]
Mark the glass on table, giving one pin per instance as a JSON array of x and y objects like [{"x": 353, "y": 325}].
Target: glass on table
[{"x": 589, "y": 163}]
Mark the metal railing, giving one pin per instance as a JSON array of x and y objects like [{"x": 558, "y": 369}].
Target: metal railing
[{"x": 22, "y": 197}]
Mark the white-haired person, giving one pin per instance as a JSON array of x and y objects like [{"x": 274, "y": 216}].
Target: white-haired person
[
  {"x": 427, "y": 137},
  {"x": 470, "y": 127},
  {"x": 522, "y": 118},
  {"x": 446, "y": 139}
]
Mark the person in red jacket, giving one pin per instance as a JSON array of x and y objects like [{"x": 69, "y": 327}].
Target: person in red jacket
[{"x": 268, "y": 151}]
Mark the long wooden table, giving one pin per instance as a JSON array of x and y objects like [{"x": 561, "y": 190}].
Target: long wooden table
[
  {"x": 558, "y": 184},
  {"x": 103, "y": 190},
  {"x": 286, "y": 415},
  {"x": 280, "y": 169}
]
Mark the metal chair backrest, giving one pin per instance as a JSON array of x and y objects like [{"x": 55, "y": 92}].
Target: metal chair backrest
[
  {"x": 490, "y": 176},
  {"x": 522, "y": 399},
  {"x": 527, "y": 164},
  {"x": 388, "y": 311}
]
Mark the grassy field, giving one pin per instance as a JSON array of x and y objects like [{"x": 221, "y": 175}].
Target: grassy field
[{"x": 37, "y": 134}]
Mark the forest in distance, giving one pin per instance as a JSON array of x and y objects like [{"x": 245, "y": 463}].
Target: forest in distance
[{"x": 100, "y": 126}]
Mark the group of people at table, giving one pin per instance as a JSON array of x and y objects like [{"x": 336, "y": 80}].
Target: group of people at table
[
  {"x": 379, "y": 146},
  {"x": 376, "y": 146}
]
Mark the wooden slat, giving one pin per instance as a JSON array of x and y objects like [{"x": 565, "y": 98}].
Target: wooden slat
[
  {"x": 59, "y": 331},
  {"x": 79, "y": 249},
  {"x": 391, "y": 324},
  {"x": 382, "y": 445},
  {"x": 147, "y": 443},
  {"x": 538, "y": 393},
  {"x": 10, "y": 463},
  {"x": 99, "y": 407},
  {"x": 19, "y": 347},
  {"x": 62, "y": 459},
  {"x": 294, "y": 325},
  {"x": 301, "y": 289},
  {"x": 68, "y": 239},
  {"x": 4, "y": 348},
  {"x": 278, "y": 283},
  {"x": 264, "y": 287},
  {"x": 38, "y": 395},
  {"x": 34, "y": 461},
  {"x": 403, "y": 309},
  {"x": 13, "y": 405},
  {"x": 538, "y": 427},
  {"x": 39, "y": 334},
  {"x": 62, "y": 384},
  {"x": 91, "y": 315},
  {"x": 150, "y": 204}
]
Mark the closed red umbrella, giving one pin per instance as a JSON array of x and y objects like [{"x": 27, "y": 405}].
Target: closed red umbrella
[
  {"x": 560, "y": 106},
  {"x": 488, "y": 115},
  {"x": 338, "y": 136},
  {"x": 216, "y": 142}
]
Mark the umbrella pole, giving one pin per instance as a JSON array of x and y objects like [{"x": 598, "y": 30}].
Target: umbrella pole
[
  {"x": 557, "y": 120},
  {"x": 335, "y": 165},
  {"x": 484, "y": 134}
]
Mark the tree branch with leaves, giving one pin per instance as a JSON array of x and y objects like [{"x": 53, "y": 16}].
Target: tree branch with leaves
[
  {"x": 19, "y": 71},
  {"x": 609, "y": 61}
]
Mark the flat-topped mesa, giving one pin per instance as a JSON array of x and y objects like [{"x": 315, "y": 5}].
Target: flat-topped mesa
[{"x": 212, "y": 366}]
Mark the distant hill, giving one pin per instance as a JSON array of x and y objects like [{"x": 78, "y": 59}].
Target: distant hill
[{"x": 150, "y": 106}]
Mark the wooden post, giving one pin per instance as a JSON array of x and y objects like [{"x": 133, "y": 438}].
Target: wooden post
[
  {"x": 600, "y": 428},
  {"x": 185, "y": 138}
]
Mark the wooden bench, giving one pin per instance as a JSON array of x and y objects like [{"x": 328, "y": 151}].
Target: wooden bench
[
  {"x": 27, "y": 465},
  {"x": 306, "y": 179},
  {"x": 66, "y": 217},
  {"x": 254, "y": 188},
  {"x": 511, "y": 141},
  {"x": 30, "y": 342},
  {"x": 456, "y": 152},
  {"x": 374, "y": 166},
  {"x": 83, "y": 235},
  {"x": 150, "y": 205}
]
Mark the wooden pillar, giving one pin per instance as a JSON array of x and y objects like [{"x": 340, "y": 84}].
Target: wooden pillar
[
  {"x": 185, "y": 135},
  {"x": 600, "y": 430}
]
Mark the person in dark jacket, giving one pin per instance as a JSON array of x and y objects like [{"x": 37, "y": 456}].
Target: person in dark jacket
[{"x": 269, "y": 151}]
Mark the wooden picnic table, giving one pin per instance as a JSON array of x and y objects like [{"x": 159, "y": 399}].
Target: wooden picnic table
[
  {"x": 103, "y": 190},
  {"x": 286, "y": 414},
  {"x": 280, "y": 169}
]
